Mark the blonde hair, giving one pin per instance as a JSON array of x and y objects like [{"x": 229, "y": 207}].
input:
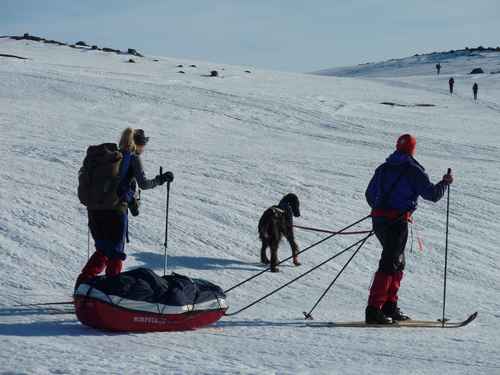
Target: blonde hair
[{"x": 127, "y": 140}]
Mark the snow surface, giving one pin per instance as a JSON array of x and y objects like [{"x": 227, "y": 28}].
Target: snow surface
[{"x": 236, "y": 144}]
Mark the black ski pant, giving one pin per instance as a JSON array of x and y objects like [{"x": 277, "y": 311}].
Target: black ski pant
[{"x": 392, "y": 237}]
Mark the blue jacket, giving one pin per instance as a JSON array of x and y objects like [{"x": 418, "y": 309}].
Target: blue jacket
[
  {"x": 131, "y": 175},
  {"x": 407, "y": 179}
]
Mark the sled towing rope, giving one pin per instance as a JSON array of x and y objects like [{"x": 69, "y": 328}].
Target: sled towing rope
[
  {"x": 300, "y": 252},
  {"x": 45, "y": 304},
  {"x": 360, "y": 243},
  {"x": 331, "y": 231},
  {"x": 308, "y": 315}
]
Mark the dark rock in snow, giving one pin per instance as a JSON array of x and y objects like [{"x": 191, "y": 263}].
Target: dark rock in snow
[
  {"x": 181, "y": 71},
  {"x": 392, "y": 104},
  {"x": 106, "y": 49},
  {"x": 477, "y": 71},
  {"x": 132, "y": 51},
  {"x": 192, "y": 66},
  {"x": 27, "y": 36},
  {"x": 214, "y": 73},
  {"x": 180, "y": 66},
  {"x": 81, "y": 43},
  {"x": 131, "y": 61},
  {"x": 248, "y": 71},
  {"x": 55, "y": 42},
  {"x": 94, "y": 47}
]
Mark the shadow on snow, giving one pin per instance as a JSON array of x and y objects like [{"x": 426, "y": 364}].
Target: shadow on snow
[
  {"x": 155, "y": 260},
  {"x": 51, "y": 328}
]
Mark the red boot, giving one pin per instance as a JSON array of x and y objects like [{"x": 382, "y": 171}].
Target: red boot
[
  {"x": 390, "y": 307},
  {"x": 114, "y": 267},
  {"x": 379, "y": 290},
  {"x": 392, "y": 293},
  {"x": 94, "y": 267}
]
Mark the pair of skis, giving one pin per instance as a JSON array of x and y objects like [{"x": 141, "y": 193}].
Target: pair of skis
[{"x": 397, "y": 324}]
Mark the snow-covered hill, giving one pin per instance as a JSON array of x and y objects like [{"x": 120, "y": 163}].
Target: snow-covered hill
[
  {"x": 452, "y": 63},
  {"x": 237, "y": 144}
]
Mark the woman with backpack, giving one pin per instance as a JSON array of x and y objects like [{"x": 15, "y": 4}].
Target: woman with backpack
[{"x": 107, "y": 187}]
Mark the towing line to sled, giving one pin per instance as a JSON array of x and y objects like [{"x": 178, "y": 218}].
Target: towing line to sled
[
  {"x": 39, "y": 308},
  {"x": 359, "y": 243},
  {"x": 312, "y": 229},
  {"x": 45, "y": 304},
  {"x": 300, "y": 252}
]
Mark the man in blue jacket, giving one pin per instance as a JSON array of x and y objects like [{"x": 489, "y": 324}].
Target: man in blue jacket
[{"x": 392, "y": 194}]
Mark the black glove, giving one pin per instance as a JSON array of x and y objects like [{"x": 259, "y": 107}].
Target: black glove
[
  {"x": 164, "y": 177},
  {"x": 169, "y": 176},
  {"x": 448, "y": 179}
]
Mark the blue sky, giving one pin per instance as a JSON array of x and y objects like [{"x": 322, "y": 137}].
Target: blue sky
[{"x": 285, "y": 35}]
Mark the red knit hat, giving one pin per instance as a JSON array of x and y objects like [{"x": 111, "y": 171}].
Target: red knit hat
[{"x": 406, "y": 144}]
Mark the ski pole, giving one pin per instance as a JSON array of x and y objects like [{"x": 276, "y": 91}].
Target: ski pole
[
  {"x": 88, "y": 242},
  {"x": 446, "y": 251},
  {"x": 165, "y": 244},
  {"x": 308, "y": 315}
]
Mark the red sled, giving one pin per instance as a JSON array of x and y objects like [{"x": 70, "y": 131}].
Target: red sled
[
  {"x": 141, "y": 301},
  {"x": 101, "y": 315}
]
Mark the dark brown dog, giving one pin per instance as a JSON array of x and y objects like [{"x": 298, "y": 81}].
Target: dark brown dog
[{"x": 276, "y": 222}]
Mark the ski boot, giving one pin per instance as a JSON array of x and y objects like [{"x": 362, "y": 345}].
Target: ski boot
[
  {"x": 392, "y": 310},
  {"x": 376, "y": 316}
]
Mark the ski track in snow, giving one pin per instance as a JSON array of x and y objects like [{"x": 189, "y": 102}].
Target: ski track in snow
[{"x": 236, "y": 144}]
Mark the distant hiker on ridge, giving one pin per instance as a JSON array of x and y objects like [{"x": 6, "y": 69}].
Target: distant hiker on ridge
[
  {"x": 107, "y": 183},
  {"x": 451, "y": 83},
  {"x": 475, "y": 88},
  {"x": 438, "y": 68},
  {"x": 392, "y": 194}
]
